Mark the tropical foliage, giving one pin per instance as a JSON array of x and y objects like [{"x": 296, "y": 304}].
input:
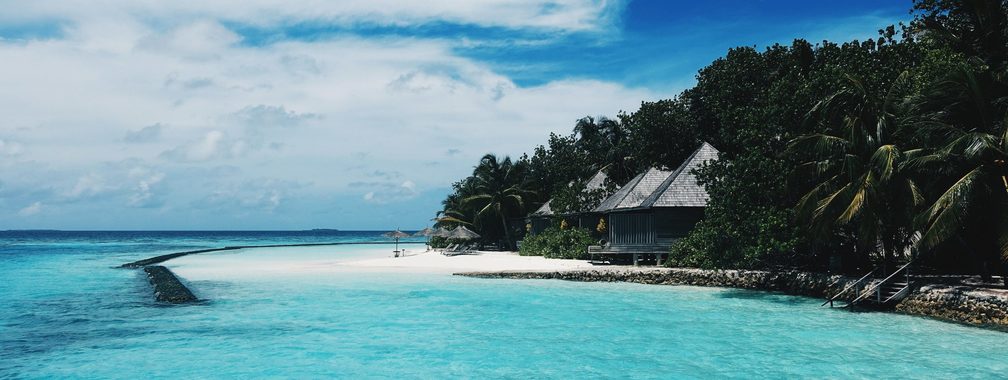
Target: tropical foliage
[
  {"x": 864, "y": 152},
  {"x": 558, "y": 243}
]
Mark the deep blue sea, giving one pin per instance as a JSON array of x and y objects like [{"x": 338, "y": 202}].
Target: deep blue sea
[{"x": 68, "y": 313}]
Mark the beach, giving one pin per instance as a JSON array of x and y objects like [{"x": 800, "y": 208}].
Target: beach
[
  {"x": 319, "y": 264},
  {"x": 307, "y": 261},
  {"x": 354, "y": 311}
]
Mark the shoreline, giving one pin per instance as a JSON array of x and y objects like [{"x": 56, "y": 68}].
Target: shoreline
[
  {"x": 973, "y": 306},
  {"x": 976, "y": 307}
]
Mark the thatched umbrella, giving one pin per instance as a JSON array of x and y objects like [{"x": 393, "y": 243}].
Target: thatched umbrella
[
  {"x": 463, "y": 233},
  {"x": 396, "y": 235},
  {"x": 442, "y": 232},
  {"x": 428, "y": 232}
]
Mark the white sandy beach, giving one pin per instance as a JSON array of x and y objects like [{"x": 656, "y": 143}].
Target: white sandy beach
[
  {"x": 478, "y": 261},
  {"x": 365, "y": 258}
]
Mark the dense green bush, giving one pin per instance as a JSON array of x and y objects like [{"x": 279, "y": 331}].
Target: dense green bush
[{"x": 556, "y": 243}]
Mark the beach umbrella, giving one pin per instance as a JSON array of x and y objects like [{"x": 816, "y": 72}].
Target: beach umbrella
[
  {"x": 463, "y": 233},
  {"x": 442, "y": 232},
  {"x": 428, "y": 232},
  {"x": 396, "y": 235}
]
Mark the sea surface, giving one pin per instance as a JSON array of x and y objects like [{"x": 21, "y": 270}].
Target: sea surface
[{"x": 68, "y": 313}]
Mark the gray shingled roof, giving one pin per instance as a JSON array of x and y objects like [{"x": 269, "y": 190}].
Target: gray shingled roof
[
  {"x": 635, "y": 192},
  {"x": 614, "y": 200},
  {"x": 681, "y": 188},
  {"x": 663, "y": 188},
  {"x": 596, "y": 182}
]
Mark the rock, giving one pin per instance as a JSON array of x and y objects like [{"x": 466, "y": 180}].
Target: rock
[
  {"x": 167, "y": 287},
  {"x": 958, "y": 304}
]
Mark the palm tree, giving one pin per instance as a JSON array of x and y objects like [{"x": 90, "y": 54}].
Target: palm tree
[
  {"x": 604, "y": 140},
  {"x": 969, "y": 165},
  {"x": 499, "y": 191},
  {"x": 454, "y": 213},
  {"x": 857, "y": 168}
]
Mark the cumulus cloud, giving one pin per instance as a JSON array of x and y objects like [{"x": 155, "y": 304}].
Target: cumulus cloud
[
  {"x": 31, "y": 209},
  {"x": 271, "y": 116},
  {"x": 143, "y": 195},
  {"x": 146, "y": 134},
  {"x": 554, "y": 15},
  {"x": 328, "y": 111},
  {"x": 259, "y": 195},
  {"x": 387, "y": 192},
  {"x": 212, "y": 145},
  {"x": 89, "y": 185},
  {"x": 9, "y": 148}
]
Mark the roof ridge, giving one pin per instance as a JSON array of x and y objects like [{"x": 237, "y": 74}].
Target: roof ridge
[
  {"x": 650, "y": 201},
  {"x": 621, "y": 193}
]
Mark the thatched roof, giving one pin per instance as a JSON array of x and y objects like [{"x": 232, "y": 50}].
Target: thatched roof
[
  {"x": 663, "y": 188},
  {"x": 596, "y": 182},
  {"x": 461, "y": 232}
]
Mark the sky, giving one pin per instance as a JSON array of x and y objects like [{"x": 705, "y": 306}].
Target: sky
[{"x": 355, "y": 114}]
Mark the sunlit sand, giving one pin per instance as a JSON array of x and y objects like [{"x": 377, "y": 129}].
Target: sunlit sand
[{"x": 297, "y": 261}]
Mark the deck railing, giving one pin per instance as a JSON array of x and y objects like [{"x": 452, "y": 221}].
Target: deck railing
[
  {"x": 847, "y": 288},
  {"x": 876, "y": 289}
]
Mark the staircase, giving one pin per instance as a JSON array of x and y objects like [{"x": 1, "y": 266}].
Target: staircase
[{"x": 880, "y": 295}]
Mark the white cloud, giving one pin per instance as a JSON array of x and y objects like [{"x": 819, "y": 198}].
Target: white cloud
[
  {"x": 558, "y": 15},
  {"x": 328, "y": 112},
  {"x": 31, "y": 209},
  {"x": 143, "y": 196},
  {"x": 146, "y": 134},
  {"x": 9, "y": 148},
  {"x": 388, "y": 192},
  {"x": 89, "y": 185},
  {"x": 271, "y": 116}
]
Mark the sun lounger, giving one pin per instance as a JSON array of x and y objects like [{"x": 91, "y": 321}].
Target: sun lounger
[
  {"x": 462, "y": 250},
  {"x": 449, "y": 249}
]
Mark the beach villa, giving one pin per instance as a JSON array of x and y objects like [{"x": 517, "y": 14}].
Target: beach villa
[
  {"x": 651, "y": 211},
  {"x": 543, "y": 216}
]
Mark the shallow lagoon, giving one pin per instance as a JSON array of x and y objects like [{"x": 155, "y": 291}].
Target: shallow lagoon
[{"x": 68, "y": 314}]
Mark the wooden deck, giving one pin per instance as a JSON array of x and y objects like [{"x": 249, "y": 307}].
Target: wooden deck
[{"x": 637, "y": 254}]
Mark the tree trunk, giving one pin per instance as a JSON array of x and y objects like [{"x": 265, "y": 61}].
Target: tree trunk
[{"x": 507, "y": 231}]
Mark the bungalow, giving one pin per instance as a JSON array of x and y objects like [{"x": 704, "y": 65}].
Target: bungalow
[
  {"x": 653, "y": 210},
  {"x": 542, "y": 217}
]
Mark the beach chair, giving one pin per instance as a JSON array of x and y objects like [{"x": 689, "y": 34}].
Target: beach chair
[
  {"x": 464, "y": 249},
  {"x": 449, "y": 249}
]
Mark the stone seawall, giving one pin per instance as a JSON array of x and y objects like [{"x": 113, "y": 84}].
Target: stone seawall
[
  {"x": 985, "y": 308},
  {"x": 167, "y": 287},
  {"x": 791, "y": 282},
  {"x": 962, "y": 304}
]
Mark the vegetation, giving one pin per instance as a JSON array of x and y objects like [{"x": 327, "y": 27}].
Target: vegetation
[
  {"x": 558, "y": 243},
  {"x": 863, "y": 152}
]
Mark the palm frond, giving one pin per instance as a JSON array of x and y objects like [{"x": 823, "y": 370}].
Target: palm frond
[
  {"x": 819, "y": 144},
  {"x": 886, "y": 159},
  {"x": 915, "y": 193},
  {"x": 947, "y": 216},
  {"x": 857, "y": 201}
]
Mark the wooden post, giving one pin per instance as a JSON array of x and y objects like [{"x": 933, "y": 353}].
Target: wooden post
[{"x": 635, "y": 259}]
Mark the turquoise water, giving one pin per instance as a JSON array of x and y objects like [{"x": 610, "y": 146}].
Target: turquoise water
[{"x": 67, "y": 313}]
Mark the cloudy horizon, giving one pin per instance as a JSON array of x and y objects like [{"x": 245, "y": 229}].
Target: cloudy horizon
[{"x": 353, "y": 115}]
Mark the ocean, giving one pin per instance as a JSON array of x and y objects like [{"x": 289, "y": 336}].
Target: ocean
[{"x": 69, "y": 313}]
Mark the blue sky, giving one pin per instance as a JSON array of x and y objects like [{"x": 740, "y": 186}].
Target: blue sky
[{"x": 353, "y": 115}]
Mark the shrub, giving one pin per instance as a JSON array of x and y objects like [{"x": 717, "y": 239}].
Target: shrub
[{"x": 556, "y": 243}]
